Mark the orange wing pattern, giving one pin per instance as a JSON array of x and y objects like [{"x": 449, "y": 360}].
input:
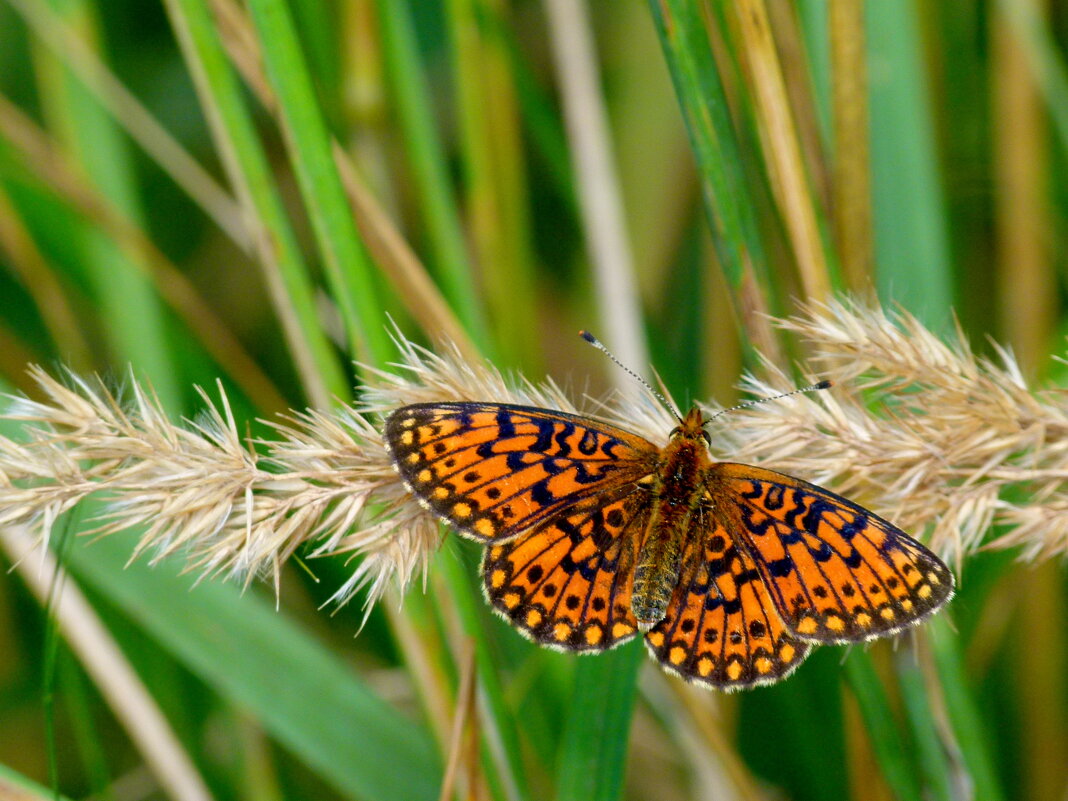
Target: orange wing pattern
[
  {"x": 721, "y": 627},
  {"x": 836, "y": 572},
  {"x": 493, "y": 470},
  {"x": 762, "y": 565},
  {"x": 567, "y": 584}
]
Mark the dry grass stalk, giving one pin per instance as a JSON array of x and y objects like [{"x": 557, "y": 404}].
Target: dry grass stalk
[
  {"x": 960, "y": 444},
  {"x": 958, "y": 431},
  {"x": 325, "y": 483}
]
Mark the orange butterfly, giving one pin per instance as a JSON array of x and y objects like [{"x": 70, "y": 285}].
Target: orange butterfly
[{"x": 594, "y": 534}]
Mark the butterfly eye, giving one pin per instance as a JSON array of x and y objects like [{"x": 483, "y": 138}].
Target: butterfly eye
[{"x": 706, "y": 437}]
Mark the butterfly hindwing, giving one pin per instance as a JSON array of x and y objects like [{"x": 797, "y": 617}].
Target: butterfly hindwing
[
  {"x": 721, "y": 627},
  {"x": 567, "y": 583},
  {"x": 494, "y": 470},
  {"x": 836, "y": 572}
]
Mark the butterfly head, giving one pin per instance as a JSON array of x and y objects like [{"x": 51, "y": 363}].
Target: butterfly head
[{"x": 692, "y": 427}]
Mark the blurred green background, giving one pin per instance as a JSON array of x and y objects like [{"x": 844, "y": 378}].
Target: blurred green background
[{"x": 205, "y": 189}]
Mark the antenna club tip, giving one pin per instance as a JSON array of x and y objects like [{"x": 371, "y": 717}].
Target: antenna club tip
[
  {"x": 588, "y": 336},
  {"x": 825, "y": 384}
]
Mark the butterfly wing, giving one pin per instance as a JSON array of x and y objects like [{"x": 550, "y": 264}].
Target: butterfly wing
[
  {"x": 721, "y": 627},
  {"x": 567, "y": 584},
  {"x": 836, "y": 572},
  {"x": 493, "y": 470}
]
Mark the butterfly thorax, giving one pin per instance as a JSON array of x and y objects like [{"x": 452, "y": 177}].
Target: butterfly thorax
[{"x": 677, "y": 488}]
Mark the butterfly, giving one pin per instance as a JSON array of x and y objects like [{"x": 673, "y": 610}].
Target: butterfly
[{"x": 595, "y": 535}]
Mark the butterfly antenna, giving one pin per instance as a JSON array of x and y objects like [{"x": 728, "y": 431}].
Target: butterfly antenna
[
  {"x": 811, "y": 388},
  {"x": 600, "y": 346}
]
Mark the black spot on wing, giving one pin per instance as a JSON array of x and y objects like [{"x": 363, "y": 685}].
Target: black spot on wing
[
  {"x": 541, "y": 494},
  {"x": 811, "y": 520},
  {"x": 566, "y": 431},
  {"x": 545, "y": 436},
  {"x": 757, "y": 528},
  {"x": 570, "y": 529},
  {"x": 858, "y": 525},
  {"x": 774, "y": 497},
  {"x": 755, "y": 491},
  {"x": 588, "y": 444},
  {"x": 780, "y": 568},
  {"x": 731, "y": 607}
]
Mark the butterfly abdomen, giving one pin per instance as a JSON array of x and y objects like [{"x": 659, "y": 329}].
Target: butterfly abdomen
[
  {"x": 656, "y": 572},
  {"x": 656, "y": 575}
]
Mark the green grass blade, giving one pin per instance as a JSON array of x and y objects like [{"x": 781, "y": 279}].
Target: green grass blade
[
  {"x": 306, "y": 698},
  {"x": 911, "y": 242},
  {"x": 704, "y": 106},
  {"x": 964, "y": 713},
  {"x": 429, "y": 170},
  {"x": 317, "y": 26},
  {"x": 1046, "y": 59},
  {"x": 14, "y": 785},
  {"x": 79, "y": 710},
  {"x": 501, "y": 733},
  {"x": 593, "y": 749},
  {"x": 890, "y": 748},
  {"x": 347, "y": 266},
  {"x": 815, "y": 27},
  {"x": 285, "y": 272},
  {"x": 136, "y": 329},
  {"x": 804, "y": 716},
  {"x": 44, "y": 287},
  {"x": 495, "y": 180},
  {"x": 930, "y": 754},
  {"x": 540, "y": 121}
]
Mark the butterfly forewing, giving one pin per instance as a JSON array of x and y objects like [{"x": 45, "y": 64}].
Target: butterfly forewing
[
  {"x": 494, "y": 470},
  {"x": 567, "y": 583},
  {"x": 722, "y": 628},
  {"x": 836, "y": 572}
]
